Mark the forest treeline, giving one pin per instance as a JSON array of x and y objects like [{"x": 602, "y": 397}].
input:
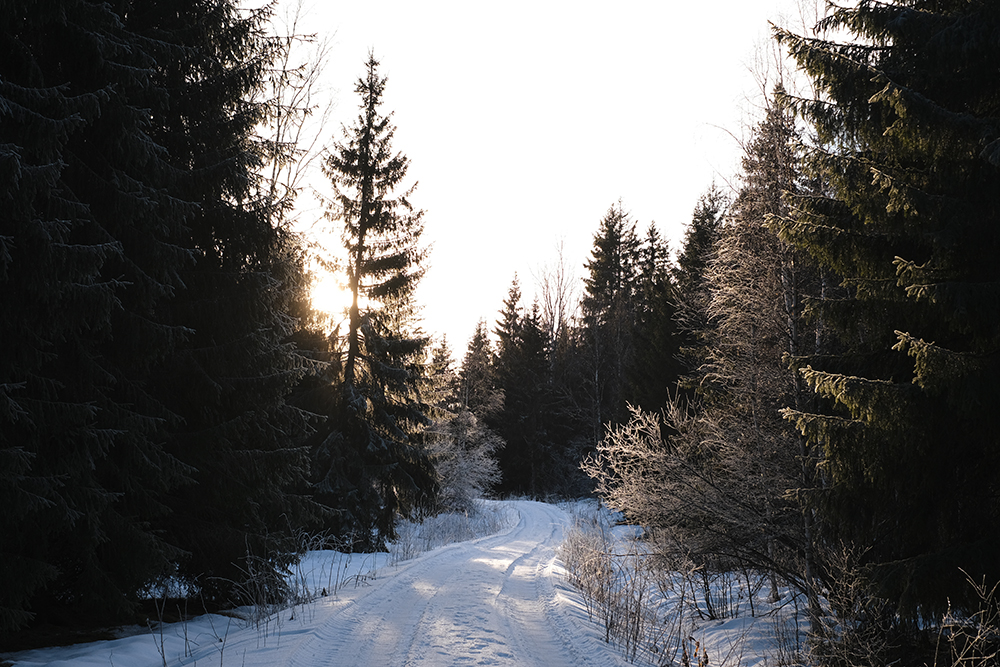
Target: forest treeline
[
  {"x": 172, "y": 414},
  {"x": 806, "y": 386},
  {"x": 835, "y": 425}
]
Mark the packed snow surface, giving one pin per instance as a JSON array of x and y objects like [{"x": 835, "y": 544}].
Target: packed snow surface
[{"x": 497, "y": 600}]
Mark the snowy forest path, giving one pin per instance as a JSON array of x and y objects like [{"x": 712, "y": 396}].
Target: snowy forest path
[
  {"x": 499, "y": 600},
  {"x": 491, "y": 601}
]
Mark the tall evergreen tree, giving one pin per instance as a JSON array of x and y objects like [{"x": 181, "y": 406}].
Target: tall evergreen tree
[
  {"x": 462, "y": 446},
  {"x": 691, "y": 294},
  {"x": 699, "y": 240},
  {"x": 609, "y": 314},
  {"x": 373, "y": 466},
  {"x": 521, "y": 368},
  {"x": 757, "y": 285},
  {"x": 654, "y": 367},
  {"x": 145, "y": 404},
  {"x": 910, "y": 109},
  {"x": 91, "y": 248},
  {"x": 477, "y": 386},
  {"x": 228, "y": 380},
  {"x": 442, "y": 391},
  {"x": 723, "y": 476}
]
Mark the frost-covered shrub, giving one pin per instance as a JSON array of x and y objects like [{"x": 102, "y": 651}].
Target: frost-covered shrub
[
  {"x": 483, "y": 517},
  {"x": 622, "y": 589},
  {"x": 463, "y": 450}
]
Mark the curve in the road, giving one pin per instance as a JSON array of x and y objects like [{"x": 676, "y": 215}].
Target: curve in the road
[{"x": 491, "y": 601}]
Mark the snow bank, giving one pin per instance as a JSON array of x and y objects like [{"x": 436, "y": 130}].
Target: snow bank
[{"x": 503, "y": 598}]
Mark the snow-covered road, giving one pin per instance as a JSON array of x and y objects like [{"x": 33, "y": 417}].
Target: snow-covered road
[{"x": 497, "y": 600}]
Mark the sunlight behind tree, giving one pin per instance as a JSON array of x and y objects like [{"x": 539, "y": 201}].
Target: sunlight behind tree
[{"x": 329, "y": 294}]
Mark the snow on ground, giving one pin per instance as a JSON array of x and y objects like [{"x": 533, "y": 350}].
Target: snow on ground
[
  {"x": 654, "y": 616},
  {"x": 501, "y": 599}
]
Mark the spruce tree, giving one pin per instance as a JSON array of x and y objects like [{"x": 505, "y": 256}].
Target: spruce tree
[
  {"x": 144, "y": 407},
  {"x": 689, "y": 276},
  {"x": 724, "y": 476},
  {"x": 373, "y": 465},
  {"x": 463, "y": 448},
  {"x": 699, "y": 239},
  {"x": 91, "y": 249},
  {"x": 477, "y": 386},
  {"x": 609, "y": 314},
  {"x": 521, "y": 368},
  {"x": 654, "y": 368},
  {"x": 227, "y": 381},
  {"x": 510, "y": 376},
  {"x": 909, "y": 123},
  {"x": 757, "y": 285}
]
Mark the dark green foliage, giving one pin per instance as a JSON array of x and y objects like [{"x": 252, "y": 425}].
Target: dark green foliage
[
  {"x": 654, "y": 369},
  {"x": 442, "y": 391},
  {"x": 462, "y": 447},
  {"x": 563, "y": 380},
  {"x": 612, "y": 268},
  {"x": 628, "y": 327},
  {"x": 477, "y": 385},
  {"x": 609, "y": 315},
  {"x": 540, "y": 420},
  {"x": 89, "y": 252},
  {"x": 699, "y": 239},
  {"x": 372, "y": 464},
  {"x": 228, "y": 381},
  {"x": 910, "y": 116},
  {"x": 145, "y": 297},
  {"x": 521, "y": 374},
  {"x": 691, "y": 289}
]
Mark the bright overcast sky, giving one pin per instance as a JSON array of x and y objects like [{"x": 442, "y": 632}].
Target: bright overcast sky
[{"x": 524, "y": 121}]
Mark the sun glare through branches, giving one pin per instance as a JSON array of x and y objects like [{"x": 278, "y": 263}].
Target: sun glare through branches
[{"x": 330, "y": 295}]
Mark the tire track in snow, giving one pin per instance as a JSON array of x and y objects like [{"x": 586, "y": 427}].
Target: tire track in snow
[
  {"x": 533, "y": 612},
  {"x": 360, "y": 631}
]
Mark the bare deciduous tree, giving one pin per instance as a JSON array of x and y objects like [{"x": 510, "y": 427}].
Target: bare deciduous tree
[
  {"x": 299, "y": 108},
  {"x": 559, "y": 298}
]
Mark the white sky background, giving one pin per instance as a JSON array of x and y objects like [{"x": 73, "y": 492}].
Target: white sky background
[{"x": 524, "y": 121}]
